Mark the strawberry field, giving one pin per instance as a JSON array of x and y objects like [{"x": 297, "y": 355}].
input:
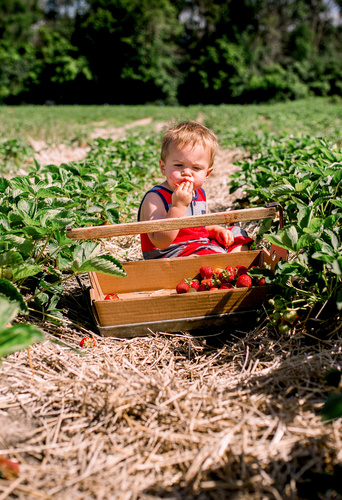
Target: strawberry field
[{"x": 250, "y": 412}]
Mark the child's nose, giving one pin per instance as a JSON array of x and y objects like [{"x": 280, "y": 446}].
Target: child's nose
[{"x": 187, "y": 171}]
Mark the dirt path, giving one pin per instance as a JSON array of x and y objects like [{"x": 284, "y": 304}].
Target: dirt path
[{"x": 216, "y": 185}]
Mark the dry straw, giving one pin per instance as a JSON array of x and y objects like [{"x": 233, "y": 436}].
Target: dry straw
[{"x": 167, "y": 416}]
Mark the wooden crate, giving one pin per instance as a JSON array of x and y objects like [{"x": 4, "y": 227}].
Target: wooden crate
[{"x": 147, "y": 296}]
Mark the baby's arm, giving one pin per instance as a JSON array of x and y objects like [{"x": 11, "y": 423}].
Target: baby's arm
[
  {"x": 153, "y": 208},
  {"x": 222, "y": 235}
]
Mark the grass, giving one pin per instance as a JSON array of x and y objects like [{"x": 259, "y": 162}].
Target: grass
[{"x": 236, "y": 125}]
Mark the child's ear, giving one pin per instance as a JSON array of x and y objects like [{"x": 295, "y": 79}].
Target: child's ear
[
  {"x": 209, "y": 171},
  {"x": 162, "y": 166}
]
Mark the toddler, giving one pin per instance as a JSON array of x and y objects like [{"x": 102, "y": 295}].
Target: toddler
[{"x": 187, "y": 156}]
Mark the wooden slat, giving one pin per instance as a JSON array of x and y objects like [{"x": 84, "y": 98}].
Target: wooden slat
[{"x": 96, "y": 232}]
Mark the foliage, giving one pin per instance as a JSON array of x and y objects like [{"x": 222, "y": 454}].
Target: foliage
[
  {"x": 333, "y": 406},
  {"x": 305, "y": 176},
  {"x": 36, "y": 257},
  {"x": 13, "y": 152},
  {"x": 188, "y": 51},
  {"x": 17, "y": 336}
]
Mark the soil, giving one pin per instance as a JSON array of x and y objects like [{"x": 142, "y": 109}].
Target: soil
[{"x": 230, "y": 414}]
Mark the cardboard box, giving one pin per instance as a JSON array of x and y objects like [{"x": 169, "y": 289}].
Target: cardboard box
[{"x": 149, "y": 302}]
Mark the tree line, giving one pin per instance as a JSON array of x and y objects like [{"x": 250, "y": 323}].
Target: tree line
[{"x": 169, "y": 51}]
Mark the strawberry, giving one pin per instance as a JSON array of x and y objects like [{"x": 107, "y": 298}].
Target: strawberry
[
  {"x": 193, "y": 283},
  {"x": 240, "y": 269},
  {"x": 261, "y": 282},
  {"x": 243, "y": 281},
  {"x": 206, "y": 272},
  {"x": 209, "y": 283},
  {"x": 290, "y": 315},
  {"x": 228, "y": 275},
  {"x": 217, "y": 272},
  {"x": 283, "y": 328},
  {"x": 203, "y": 287},
  {"x": 182, "y": 287},
  {"x": 87, "y": 342},
  {"x": 9, "y": 470},
  {"x": 226, "y": 286},
  {"x": 112, "y": 296}
]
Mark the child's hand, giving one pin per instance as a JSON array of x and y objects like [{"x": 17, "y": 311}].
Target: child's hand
[
  {"x": 182, "y": 195},
  {"x": 222, "y": 235}
]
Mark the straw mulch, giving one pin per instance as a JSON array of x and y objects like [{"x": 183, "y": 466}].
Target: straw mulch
[
  {"x": 168, "y": 416},
  {"x": 229, "y": 414}
]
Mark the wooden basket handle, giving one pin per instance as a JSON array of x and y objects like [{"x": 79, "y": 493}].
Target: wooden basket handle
[{"x": 230, "y": 217}]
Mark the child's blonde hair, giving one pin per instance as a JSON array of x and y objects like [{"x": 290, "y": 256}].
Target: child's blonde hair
[{"x": 189, "y": 132}]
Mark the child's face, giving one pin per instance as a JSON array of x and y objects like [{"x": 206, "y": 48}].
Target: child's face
[{"x": 186, "y": 163}]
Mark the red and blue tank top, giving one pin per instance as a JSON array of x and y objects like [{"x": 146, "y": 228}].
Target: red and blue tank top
[{"x": 190, "y": 240}]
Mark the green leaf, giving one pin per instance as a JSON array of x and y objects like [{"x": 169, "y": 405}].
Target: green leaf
[
  {"x": 3, "y": 184},
  {"x": 18, "y": 337},
  {"x": 113, "y": 215},
  {"x": 10, "y": 258},
  {"x": 305, "y": 240},
  {"x": 304, "y": 216},
  {"x": 105, "y": 264},
  {"x": 322, "y": 256},
  {"x": 41, "y": 299},
  {"x": 287, "y": 269},
  {"x": 332, "y": 407},
  {"x": 13, "y": 238},
  {"x": 301, "y": 186},
  {"x": 337, "y": 203},
  {"x": 7, "y": 289},
  {"x": 331, "y": 220},
  {"x": 336, "y": 266},
  {"x": 338, "y": 175},
  {"x": 333, "y": 238},
  {"x": 289, "y": 238},
  {"x": 27, "y": 208},
  {"x": 265, "y": 226},
  {"x": 25, "y": 271},
  {"x": 276, "y": 240},
  {"x": 314, "y": 226},
  {"x": 339, "y": 300},
  {"x": 8, "y": 311}
]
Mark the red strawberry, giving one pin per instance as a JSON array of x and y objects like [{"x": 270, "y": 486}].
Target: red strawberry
[
  {"x": 228, "y": 275},
  {"x": 182, "y": 287},
  {"x": 112, "y": 296},
  {"x": 226, "y": 286},
  {"x": 240, "y": 269},
  {"x": 244, "y": 281},
  {"x": 202, "y": 288},
  {"x": 208, "y": 282},
  {"x": 261, "y": 282},
  {"x": 9, "y": 470},
  {"x": 193, "y": 283},
  {"x": 213, "y": 288},
  {"x": 206, "y": 272},
  {"x": 87, "y": 342},
  {"x": 217, "y": 272}
]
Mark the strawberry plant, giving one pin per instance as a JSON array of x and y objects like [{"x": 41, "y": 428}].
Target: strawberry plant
[
  {"x": 14, "y": 336},
  {"x": 13, "y": 152},
  {"x": 305, "y": 176},
  {"x": 36, "y": 257}
]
